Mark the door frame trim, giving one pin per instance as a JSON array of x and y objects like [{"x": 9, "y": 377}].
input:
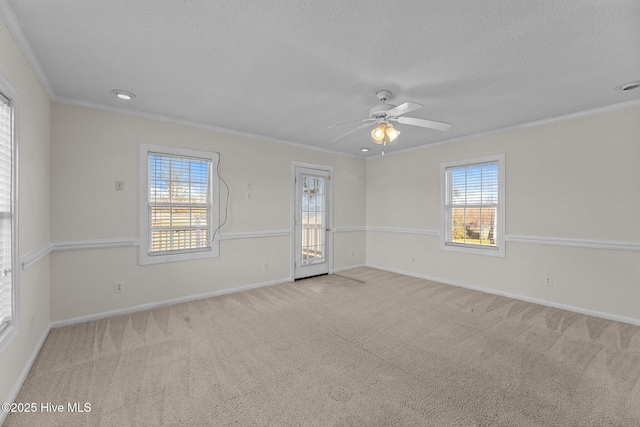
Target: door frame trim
[{"x": 292, "y": 227}]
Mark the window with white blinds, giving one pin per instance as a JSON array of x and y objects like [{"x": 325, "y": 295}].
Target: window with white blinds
[
  {"x": 181, "y": 210},
  {"x": 7, "y": 174},
  {"x": 473, "y": 205}
]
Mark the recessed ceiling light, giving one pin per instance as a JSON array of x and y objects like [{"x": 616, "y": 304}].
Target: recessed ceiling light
[
  {"x": 629, "y": 86},
  {"x": 123, "y": 94},
  {"x": 364, "y": 149}
]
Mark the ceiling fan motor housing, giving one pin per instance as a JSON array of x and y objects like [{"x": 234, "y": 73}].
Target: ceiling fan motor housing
[{"x": 380, "y": 110}]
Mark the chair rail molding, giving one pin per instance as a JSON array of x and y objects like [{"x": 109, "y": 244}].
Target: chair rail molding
[
  {"x": 33, "y": 257},
  {"x": 535, "y": 240},
  {"x": 577, "y": 243}
]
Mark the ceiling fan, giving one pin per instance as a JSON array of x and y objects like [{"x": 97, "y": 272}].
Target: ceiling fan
[{"x": 382, "y": 114}]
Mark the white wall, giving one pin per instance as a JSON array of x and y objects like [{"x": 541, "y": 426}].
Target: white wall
[
  {"x": 92, "y": 148},
  {"x": 34, "y": 148},
  {"x": 570, "y": 180}
]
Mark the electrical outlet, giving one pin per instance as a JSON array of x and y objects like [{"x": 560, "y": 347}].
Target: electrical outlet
[
  {"x": 117, "y": 287},
  {"x": 548, "y": 280},
  {"x": 119, "y": 186},
  {"x": 266, "y": 265}
]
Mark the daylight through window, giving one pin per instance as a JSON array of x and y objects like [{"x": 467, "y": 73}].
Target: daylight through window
[
  {"x": 179, "y": 204},
  {"x": 473, "y": 205},
  {"x": 7, "y": 293}
]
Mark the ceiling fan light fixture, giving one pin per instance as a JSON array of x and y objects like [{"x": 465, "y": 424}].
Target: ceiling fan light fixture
[
  {"x": 378, "y": 133},
  {"x": 391, "y": 132},
  {"x": 384, "y": 134}
]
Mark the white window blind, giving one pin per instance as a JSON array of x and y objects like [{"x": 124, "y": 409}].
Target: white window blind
[
  {"x": 6, "y": 209},
  {"x": 180, "y": 208},
  {"x": 472, "y": 205}
]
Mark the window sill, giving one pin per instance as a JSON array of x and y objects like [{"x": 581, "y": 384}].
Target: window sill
[
  {"x": 475, "y": 250},
  {"x": 146, "y": 259}
]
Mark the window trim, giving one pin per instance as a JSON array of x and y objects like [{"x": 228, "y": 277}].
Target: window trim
[
  {"x": 144, "y": 257},
  {"x": 474, "y": 249},
  {"x": 11, "y": 332}
]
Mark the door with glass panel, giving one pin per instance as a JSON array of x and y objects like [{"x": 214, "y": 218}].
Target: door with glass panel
[{"x": 312, "y": 228}]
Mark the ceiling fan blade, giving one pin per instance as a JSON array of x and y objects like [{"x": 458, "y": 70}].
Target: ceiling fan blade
[
  {"x": 405, "y": 108},
  {"x": 346, "y": 123},
  {"x": 424, "y": 123},
  {"x": 353, "y": 130}
]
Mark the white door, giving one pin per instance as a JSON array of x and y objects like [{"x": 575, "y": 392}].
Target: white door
[{"x": 312, "y": 213}]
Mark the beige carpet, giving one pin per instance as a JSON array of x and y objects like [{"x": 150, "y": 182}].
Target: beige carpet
[{"x": 362, "y": 348}]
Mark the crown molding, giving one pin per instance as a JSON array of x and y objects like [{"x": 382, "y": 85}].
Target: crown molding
[
  {"x": 600, "y": 110},
  {"x": 192, "y": 124},
  {"x": 15, "y": 29}
]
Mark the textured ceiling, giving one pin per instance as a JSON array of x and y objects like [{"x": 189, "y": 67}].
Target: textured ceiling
[{"x": 288, "y": 69}]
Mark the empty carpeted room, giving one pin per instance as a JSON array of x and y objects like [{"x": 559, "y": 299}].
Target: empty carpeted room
[{"x": 354, "y": 213}]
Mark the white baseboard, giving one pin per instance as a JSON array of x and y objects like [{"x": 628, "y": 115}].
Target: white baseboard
[
  {"x": 25, "y": 371},
  {"x": 149, "y": 306},
  {"x": 580, "y": 310},
  {"x": 351, "y": 267}
]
